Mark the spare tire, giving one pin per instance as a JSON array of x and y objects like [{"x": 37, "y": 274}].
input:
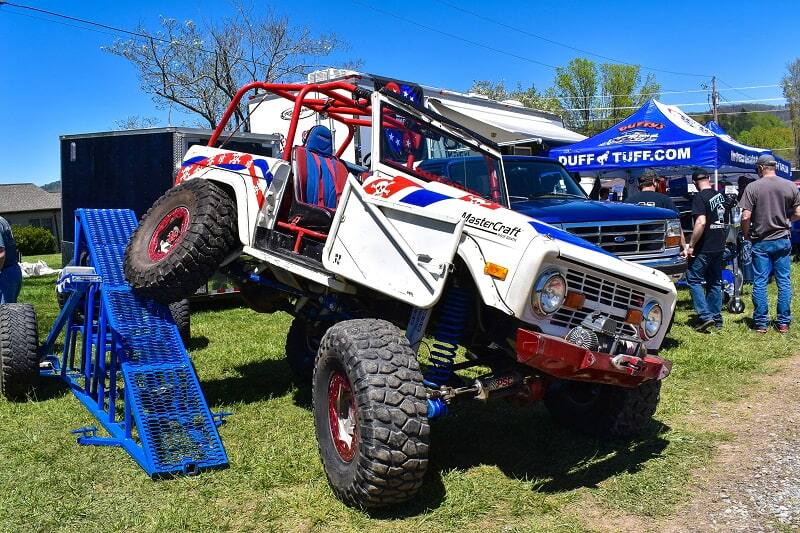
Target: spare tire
[
  {"x": 181, "y": 241},
  {"x": 19, "y": 345}
]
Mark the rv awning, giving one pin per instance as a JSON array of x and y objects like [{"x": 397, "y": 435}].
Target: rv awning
[{"x": 503, "y": 126}]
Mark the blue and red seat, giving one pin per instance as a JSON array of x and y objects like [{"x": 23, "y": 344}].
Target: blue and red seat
[{"x": 319, "y": 176}]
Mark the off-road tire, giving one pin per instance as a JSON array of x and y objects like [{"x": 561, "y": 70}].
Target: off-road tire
[
  {"x": 603, "y": 410},
  {"x": 19, "y": 342},
  {"x": 392, "y": 427},
  {"x": 181, "y": 315},
  {"x": 302, "y": 344},
  {"x": 210, "y": 237}
]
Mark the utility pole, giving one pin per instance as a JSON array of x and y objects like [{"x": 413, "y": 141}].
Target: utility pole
[{"x": 714, "y": 98}]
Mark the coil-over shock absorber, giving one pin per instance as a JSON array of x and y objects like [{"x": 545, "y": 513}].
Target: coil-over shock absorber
[{"x": 450, "y": 325}]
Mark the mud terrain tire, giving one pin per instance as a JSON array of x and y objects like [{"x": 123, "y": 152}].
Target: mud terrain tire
[
  {"x": 603, "y": 410},
  {"x": 181, "y": 241},
  {"x": 19, "y": 342},
  {"x": 387, "y": 456},
  {"x": 181, "y": 315}
]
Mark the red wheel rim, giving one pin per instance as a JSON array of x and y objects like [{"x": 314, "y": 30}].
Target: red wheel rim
[
  {"x": 342, "y": 416},
  {"x": 168, "y": 233}
]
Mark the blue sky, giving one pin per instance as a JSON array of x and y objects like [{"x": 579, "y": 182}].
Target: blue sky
[{"x": 55, "y": 79}]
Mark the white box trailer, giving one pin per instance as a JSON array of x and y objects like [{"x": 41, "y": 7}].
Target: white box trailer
[{"x": 517, "y": 129}]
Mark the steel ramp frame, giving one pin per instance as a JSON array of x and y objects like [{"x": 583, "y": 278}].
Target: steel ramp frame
[{"x": 124, "y": 360}]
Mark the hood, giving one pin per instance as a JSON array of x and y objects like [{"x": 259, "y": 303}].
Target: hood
[{"x": 559, "y": 210}]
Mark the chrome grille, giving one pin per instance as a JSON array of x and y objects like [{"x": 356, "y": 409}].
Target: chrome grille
[
  {"x": 598, "y": 291},
  {"x": 623, "y": 238}
]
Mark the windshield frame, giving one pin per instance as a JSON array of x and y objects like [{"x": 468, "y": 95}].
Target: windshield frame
[{"x": 434, "y": 121}]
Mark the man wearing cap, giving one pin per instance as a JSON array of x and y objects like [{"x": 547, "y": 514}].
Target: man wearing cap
[
  {"x": 10, "y": 273},
  {"x": 769, "y": 205},
  {"x": 648, "y": 195},
  {"x": 705, "y": 252}
]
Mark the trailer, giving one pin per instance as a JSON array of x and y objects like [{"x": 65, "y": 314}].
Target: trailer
[{"x": 131, "y": 169}]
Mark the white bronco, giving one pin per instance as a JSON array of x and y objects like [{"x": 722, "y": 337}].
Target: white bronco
[{"x": 371, "y": 261}]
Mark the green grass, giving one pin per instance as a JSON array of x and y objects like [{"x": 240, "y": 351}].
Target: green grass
[
  {"x": 493, "y": 467},
  {"x": 51, "y": 260}
]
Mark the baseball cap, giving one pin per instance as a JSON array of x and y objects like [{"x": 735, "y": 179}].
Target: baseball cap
[
  {"x": 648, "y": 176},
  {"x": 698, "y": 175},
  {"x": 766, "y": 160}
]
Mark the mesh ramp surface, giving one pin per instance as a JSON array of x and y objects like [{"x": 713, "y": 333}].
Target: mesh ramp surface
[{"x": 174, "y": 424}]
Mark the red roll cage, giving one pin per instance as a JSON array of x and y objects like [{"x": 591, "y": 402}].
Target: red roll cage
[{"x": 348, "y": 110}]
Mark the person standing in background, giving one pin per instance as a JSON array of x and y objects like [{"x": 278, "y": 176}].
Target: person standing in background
[
  {"x": 769, "y": 205},
  {"x": 705, "y": 250},
  {"x": 10, "y": 273}
]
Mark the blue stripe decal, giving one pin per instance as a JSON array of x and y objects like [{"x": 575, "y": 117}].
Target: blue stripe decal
[
  {"x": 262, "y": 165},
  {"x": 424, "y": 198},
  {"x": 231, "y": 166},
  {"x": 566, "y": 236},
  {"x": 193, "y": 160},
  {"x": 312, "y": 180}
]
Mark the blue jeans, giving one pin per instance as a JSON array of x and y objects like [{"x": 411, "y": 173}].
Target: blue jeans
[
  {"x": 707, "y": 299},
  {"x": 10, "y": 284},
  {"x": 772, "y": 257}
]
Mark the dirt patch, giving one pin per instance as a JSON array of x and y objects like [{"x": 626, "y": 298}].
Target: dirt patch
[{"x": 753, "y": 483}]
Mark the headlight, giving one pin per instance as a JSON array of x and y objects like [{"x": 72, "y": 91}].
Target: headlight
[
  {"x": 549, "y": 293},
  {"x": 673, "y": 235},
  {"x": 651, "y": 321}
]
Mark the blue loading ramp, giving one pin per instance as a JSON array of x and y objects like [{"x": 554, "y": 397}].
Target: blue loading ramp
[{"x": 124, "y": 359}]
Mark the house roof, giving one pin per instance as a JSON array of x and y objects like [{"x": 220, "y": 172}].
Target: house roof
[{"x": 20, "y": 197}]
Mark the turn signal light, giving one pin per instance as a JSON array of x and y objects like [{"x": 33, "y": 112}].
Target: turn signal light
[
  {"x": 634, "y": 316},
  {"x": 495, "y": 271},
  {"x": 671, "y": 242},
  {"x": 574, "y": 300}
]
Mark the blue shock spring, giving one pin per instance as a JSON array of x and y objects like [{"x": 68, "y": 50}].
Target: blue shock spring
[{"x": 450, "y": 326}]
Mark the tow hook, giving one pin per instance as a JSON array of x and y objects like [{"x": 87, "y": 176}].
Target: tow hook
[{"x": 629, "y": 363}]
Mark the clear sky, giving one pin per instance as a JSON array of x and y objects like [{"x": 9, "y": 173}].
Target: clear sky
[{"x": 56, "y": 80}]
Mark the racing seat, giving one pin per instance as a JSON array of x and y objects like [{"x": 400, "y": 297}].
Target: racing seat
[{"x": 319, "y": 178}]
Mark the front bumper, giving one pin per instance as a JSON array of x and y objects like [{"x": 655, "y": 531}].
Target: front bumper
[
  {"x": 674, "y": 266},
  {"x": 561, "y": 359}
]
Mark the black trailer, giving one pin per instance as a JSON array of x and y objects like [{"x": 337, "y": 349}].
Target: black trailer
[{"x": 131, "y": 169}]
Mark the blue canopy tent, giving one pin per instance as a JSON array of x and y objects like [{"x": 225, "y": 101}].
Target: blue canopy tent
[
  {"x": 783, "y": 166},
  {"x": 661, "y": 136}
]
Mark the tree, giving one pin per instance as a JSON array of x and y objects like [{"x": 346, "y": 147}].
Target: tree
[
  {"x": 772, "y": 137},
  {"x": 623, "y": 91},
  {"x": 199, "y": 68},
  {"x": 135, "y": 122},
  {"x": 791, "y": 91},
  {"x": 576, "y": 85},
  {"x": 529, "y": 97}
]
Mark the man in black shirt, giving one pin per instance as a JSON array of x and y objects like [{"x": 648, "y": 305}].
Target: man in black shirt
[
  {"x": 648, "y": 195},
  {"x": 705, "y": 251}
]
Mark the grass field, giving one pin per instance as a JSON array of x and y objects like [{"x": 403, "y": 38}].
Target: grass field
[
  {"x": 51, "y": 260},
  {"x": 493, "y": 467}
]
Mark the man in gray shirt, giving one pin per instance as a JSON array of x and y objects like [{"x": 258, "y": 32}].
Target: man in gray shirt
[
  {"x": 769, "y": 205},
  {"x": 10, "y": 273}
]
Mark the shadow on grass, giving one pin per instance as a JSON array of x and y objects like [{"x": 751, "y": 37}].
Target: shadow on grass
[
  {"x": 50, "y": 388},
  {"x": 525, "y": 444},
  {"x": 257, "y": 380}
]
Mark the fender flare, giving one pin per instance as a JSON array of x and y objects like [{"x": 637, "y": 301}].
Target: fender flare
[
  {"x": 473, "y": 258},
  {"x": 243, "y": 195}
]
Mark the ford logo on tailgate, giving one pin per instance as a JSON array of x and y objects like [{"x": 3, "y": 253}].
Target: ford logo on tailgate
[{"x": 619, "y": 238}]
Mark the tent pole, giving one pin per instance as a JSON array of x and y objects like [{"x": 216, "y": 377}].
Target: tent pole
[{"x": 716, "y": 179}]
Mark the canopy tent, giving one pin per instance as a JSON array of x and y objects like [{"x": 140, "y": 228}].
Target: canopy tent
[
  {"x": 783, "y": 166},
  {"x": 657, "y": 135}
]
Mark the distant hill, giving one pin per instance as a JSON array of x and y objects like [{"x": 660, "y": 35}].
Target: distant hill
[{"x": 53, "y": 186}]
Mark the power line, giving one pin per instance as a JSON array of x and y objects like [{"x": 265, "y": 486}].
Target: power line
[
  {"x": 558, "y": 43},
  {"x": 738, "y": 90},
  {"x": 729, "y": 102},
  {"x": 454, "y": 36}
]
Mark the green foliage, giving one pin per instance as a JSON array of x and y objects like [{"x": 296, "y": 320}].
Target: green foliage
[
  {"x": 623, "y": 90},
  {"x": 767, "y": 137},
  {"x": 530, "y": 97},
  {"x": 791, "y": 91},
  {"x": 31, "y": 240},
  {"x": 576, "y": 84}
]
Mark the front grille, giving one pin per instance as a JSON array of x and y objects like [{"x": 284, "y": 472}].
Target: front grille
[
  {"x": 598, "y": 291},
  {"x": 623, "y": 238}
]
